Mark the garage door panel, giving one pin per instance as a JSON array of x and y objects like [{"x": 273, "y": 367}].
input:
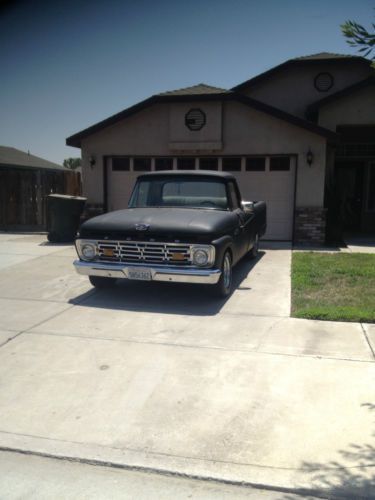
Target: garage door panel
[
  {"x": 280, "y": 207},
  {"x": 120, "y": 187},
  {"x": 279, "y": 230},
  {"x": 276, "y": 188}
]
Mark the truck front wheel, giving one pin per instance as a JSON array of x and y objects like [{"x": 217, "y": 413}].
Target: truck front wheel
[
  {"x": 102, "y": 282},
  {"x": 223, "y": 287}
]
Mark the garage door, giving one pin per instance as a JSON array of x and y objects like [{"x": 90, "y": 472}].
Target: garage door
[{"x": 259, "y": 178}]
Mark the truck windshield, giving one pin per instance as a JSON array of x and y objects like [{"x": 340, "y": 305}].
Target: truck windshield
[{"x": 180, "y": 192}]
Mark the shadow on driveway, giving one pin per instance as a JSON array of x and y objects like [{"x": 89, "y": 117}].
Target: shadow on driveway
[
  {"x": 337, "y": 479},
  {"x": 166, "y": 298}
]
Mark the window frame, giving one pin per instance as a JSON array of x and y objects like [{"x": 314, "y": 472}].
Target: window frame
[
  {"x": 117, "y": 168},
  {"x": 280, "y": 158},
  {"x": 234, "y": 159},
  {"x": 213, "y": 158},
  {"x": 169, "y": 159},
  {"x": 144, "y": 158},
  {"x": 179, "y": 158},
  {"x": 249, "y": 158}
]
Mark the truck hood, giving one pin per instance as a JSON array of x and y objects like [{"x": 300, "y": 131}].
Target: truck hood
[{"x": 177, "y": 222}]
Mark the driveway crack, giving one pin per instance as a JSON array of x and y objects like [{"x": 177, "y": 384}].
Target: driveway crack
[{"x": 368, "y": 340}]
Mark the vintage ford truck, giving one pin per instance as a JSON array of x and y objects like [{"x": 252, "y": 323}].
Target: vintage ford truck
[{"x": 180, "y": 226}]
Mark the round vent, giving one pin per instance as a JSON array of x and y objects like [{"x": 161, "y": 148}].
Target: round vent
[
  {"x": 323, "y": 82},
  {"x": 195, "y": 119}
]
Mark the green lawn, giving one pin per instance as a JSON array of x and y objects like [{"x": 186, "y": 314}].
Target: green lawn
[{"x": 337, "y": 287}]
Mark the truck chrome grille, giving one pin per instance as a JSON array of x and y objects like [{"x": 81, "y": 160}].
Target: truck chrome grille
[{"x": 145, "y": 252}]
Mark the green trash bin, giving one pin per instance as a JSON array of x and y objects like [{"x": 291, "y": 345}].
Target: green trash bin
[{"x": 63, "y": 216}]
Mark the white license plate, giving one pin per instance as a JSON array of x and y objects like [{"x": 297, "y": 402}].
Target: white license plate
[{"x": 139, "y": 274}]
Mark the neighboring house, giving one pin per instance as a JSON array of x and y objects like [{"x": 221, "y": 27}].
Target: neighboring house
[
  {"x": 25, "y": 181},
  {"x": 300, "y": 136}
]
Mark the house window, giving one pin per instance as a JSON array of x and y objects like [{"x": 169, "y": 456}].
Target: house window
[
  {"x": 142, "y": 164},
  {"x": 231, "y": 164},
  {"x": 279, "y": 163},
  {"x": 208, "y": 164},
  {"x": 163, "y": 163},
  {"x": 371, "y": 188},
  {"x": 255, "y": 164},
  {"x": 185, "y": 163},
  {"x": 120, "y": 164}
]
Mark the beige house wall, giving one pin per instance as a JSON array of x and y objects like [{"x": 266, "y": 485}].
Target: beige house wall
[
  {"x": 244, "y": 131},
  {"x": 354, "y": 109},
  {"x": 292, "y": 89}
]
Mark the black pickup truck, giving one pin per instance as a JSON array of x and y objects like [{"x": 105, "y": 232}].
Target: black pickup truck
[{"x": 180, "y": 226}]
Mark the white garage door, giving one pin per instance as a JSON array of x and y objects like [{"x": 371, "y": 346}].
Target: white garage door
[{"x": 270, "y": 179}]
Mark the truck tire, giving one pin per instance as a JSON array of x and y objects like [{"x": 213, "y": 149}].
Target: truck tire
[
  {"x": 253, "y": 253},
  {"x": 102, "y": 282},
  {"x": 223, "y": 287}
]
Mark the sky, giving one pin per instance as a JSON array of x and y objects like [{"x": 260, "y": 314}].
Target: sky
[{"x": 67, "y": 64}]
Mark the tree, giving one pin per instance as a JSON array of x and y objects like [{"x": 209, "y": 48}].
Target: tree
[
  {"x": 358, "y": 36},
  {"x": 72, "y": 163}
]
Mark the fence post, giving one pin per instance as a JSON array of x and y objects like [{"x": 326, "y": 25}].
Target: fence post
[{"x": 39, "y": 201}]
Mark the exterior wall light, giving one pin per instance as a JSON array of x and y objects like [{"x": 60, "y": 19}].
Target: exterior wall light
[
  {"x": 92, "y": 161},
  {"x": 309, "y": 157}
]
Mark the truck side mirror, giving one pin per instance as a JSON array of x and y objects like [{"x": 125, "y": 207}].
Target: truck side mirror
[{"x": 247, "y": 206}]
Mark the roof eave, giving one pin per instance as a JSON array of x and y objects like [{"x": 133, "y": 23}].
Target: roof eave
[
  {"x": 341, "y": 93},
  {"x": 283, "y": 115},
  {"x": 76, "y": 139},
  {"x": 32, "y": 167}
]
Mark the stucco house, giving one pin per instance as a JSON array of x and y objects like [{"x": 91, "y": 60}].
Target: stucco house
[{"x": 300, "y": 136}]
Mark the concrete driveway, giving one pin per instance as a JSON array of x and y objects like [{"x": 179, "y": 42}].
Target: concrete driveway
[{"x": 166, "y": 378}]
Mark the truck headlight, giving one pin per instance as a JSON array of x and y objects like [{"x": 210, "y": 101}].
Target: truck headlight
[
  {"x": 203, "y": 255},
  {"x": 86, "y": 249}
]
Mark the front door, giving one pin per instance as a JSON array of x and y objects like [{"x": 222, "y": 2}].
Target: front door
[{"x": 349, "y": 180}]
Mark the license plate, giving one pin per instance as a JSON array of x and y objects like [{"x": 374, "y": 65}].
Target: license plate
[{"x": 139, "y": 274}]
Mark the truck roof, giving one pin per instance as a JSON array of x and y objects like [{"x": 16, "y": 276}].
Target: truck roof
[{"x": 193, "y": 173}]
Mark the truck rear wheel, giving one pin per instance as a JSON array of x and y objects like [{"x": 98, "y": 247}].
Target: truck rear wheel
[
  {"x": 223, "y": 287},
  {"x": 253, "y": 253},
  {"x": 102, "y": 282}
]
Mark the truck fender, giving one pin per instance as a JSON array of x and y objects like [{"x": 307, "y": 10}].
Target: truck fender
[{"x": 222, "y": 245}]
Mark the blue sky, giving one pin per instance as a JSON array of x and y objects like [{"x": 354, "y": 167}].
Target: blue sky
[{"x": 66, "y": 64}]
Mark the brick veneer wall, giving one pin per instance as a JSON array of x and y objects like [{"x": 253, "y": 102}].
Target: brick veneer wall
[{"x": 310, "y": 225}]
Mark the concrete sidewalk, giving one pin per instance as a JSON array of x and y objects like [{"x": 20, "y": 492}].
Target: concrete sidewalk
[{"x": 167, "y": 378}]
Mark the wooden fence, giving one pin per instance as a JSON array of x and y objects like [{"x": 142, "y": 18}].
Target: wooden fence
[{"x": 23, "y": 195}]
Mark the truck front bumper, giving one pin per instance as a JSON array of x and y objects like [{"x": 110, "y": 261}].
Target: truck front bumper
[{"x": 158, "y": 273}]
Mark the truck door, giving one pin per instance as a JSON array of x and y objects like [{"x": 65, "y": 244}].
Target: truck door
[{"x": 242, "y": 231}]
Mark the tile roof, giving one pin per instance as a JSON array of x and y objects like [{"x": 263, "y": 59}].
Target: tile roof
[
  {"x": 326, "y": 55},
  {"x": 199, "y": 89},
  {"x": 17, "y": 158}
]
